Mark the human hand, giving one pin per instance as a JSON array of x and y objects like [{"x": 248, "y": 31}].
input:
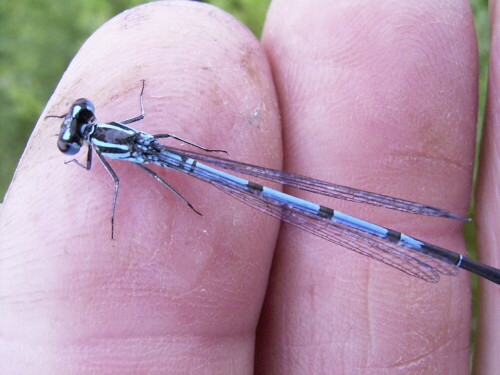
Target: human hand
[{"x": 382, "y": 100}]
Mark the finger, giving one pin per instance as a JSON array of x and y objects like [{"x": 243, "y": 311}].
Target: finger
[
  {"x": 379, "y": 96},
  {"x": 486, "y": 359},
  {"x": 174, "y": 290}
]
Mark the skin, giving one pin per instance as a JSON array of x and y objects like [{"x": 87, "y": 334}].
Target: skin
[{"x": 383, "y": 100}]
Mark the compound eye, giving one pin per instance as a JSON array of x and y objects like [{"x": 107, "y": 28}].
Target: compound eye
[
  {"x": 70, "y": 140},
  {"x": 69, "y": 148},
  {"x": 83, "y": 111}
]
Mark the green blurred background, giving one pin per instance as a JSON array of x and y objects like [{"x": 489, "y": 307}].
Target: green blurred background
[{"x": 38, "y": 38}]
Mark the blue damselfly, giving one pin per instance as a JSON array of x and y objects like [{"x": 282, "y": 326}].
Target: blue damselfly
[{"x": 118, "y": 140}]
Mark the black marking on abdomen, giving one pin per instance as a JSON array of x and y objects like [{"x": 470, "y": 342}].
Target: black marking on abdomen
[
  {"x": 326, "y": 212},
  {"x": 193, "y": 167},
  {"x": 255, "y": 188},
  {"x": 393, "y": 236},
  {"x": 440, "y": 253}
]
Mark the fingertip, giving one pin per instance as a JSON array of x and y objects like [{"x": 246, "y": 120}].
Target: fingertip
[
  {"x": 378, "y": 96},
  {"x": 207, "y": 80}
]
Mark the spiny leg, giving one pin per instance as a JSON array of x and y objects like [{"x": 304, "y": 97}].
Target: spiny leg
[
  {"x": 166, "y": 135},
  {"x": 115, "y": 196},
  {"x": 141, "y": 116},
  {"x": 89, "y": 159},
  {"x": 164, "y": 183}
]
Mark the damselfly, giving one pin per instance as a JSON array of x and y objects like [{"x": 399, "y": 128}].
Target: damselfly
[{"x": 118, "y": 140}]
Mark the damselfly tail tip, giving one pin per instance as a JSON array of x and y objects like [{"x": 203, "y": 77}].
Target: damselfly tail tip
[{"x": 480, "y": 269}]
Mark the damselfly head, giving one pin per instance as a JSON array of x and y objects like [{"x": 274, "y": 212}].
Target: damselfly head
[{"x": 71, "y": 136}]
